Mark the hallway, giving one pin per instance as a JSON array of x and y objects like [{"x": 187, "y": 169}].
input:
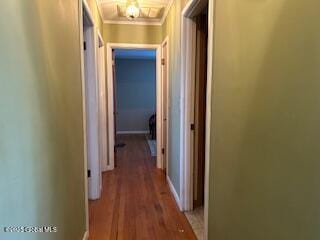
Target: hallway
[{"x": 136, "y": 201}]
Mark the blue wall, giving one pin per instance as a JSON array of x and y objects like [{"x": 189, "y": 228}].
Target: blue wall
[{"x": 136, "y": 93}]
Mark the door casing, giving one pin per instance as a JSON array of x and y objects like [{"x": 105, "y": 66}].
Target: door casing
[
  {"x": 187, "y": 115},
  {"x": 110, "y": 91}
]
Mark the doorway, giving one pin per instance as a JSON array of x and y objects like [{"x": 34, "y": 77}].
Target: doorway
[
  {"x": 135, "y": 96},
  {"x": 200, "y": 108},
  {"x": 92, "y": 54},
  {"x": 195, "y": 121},
  {"x": 116, "y": 124}
]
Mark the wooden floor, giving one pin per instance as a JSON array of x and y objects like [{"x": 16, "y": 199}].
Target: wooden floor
[{"x": 136, "y": 202}]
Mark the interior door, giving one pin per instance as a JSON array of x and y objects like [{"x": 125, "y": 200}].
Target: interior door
[
  {"x": 200, "y": 108},
  {"x": 165, "y": 105}
]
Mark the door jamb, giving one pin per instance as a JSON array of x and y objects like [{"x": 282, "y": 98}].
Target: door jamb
[
  {"x": 187, "y": 56},
  {"x": 102, "y": 103},
  {"x": 84, "y": 5},
  {"x": 188, "y": 81},
  {"x": 209, "y": 126},
  {"x": 92, "y": 110},
  {"x": 110, "y": 47},
  {"x": 166, "y": 41}
]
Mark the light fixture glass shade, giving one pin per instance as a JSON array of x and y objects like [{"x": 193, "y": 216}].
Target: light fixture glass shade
[{"x": 133, "y": 10}]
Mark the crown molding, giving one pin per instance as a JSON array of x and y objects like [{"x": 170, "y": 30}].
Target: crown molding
[
  {"x": 166, "y": 12},
  {"x": 132, "y": 23}
]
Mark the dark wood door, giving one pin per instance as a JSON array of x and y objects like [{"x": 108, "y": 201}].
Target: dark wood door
[{"x": 200, "y": 108}]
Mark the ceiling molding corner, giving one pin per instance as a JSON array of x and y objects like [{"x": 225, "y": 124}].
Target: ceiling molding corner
[
  {"x": 166, "y": 12},
  {"x": 99, "y": 9}
]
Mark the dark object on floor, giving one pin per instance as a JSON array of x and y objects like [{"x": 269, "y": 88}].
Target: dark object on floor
[
  {"x": 120, "y": 145},
  {"x": 152, "y": 126}
]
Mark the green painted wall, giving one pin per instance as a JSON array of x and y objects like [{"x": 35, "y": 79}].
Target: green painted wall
[
  {"x": 264, "y": 174},
  {"x": 127, "y": 33},
  {"x": 172, "y": 29},
  {"x": 41, "y": 145}
]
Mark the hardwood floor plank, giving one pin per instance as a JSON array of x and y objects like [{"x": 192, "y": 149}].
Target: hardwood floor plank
[{"x": 136, "y": 202}]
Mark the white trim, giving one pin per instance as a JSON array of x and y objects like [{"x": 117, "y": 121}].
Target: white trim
[
  {"x": 125, "y": 22},
  {"x": 187, "y": 110},
  {"x": 88, "y": 11},
  {"x": 132, "y": 132},
  {"x": 174, "y": 193},
  {"x": 133, "y": 46},
  {"x": 159, "y": 104},
  {"x": 86, "y": 235},
  {"x": 101, "y": 41},
  {"x": 91, "y": 103},
  {"x": 166, "y": 41},
  {"x": 111, "y": 139},
  {"x": 187, "y": 58},
  {"x": 111, "y": 46},
  {"x": 102, "y": 103},
  {"x": 84, "y": 115},
  {"x": 209, "y": 130},
  {"x": 190, "y": 8}
]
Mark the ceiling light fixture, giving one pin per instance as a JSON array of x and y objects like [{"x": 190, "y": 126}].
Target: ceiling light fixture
[{"x": 133, "y": 10}]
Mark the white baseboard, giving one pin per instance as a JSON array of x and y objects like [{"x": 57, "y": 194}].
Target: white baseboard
[
  {"x": 132, "y": 132},
  {"x": 174, "y": 192},
  {"x": 86, "y": 235},
  {"x": 109, "y": 168}
]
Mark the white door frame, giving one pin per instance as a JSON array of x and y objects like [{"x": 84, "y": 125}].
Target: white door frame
[
  {"x": 188, "y": 53},
  {"x": 110, "y": 47},
  {"x": 90, "y": 106},
  {"x": 83, "y": 4},
  {"x": 188, "y": 40},
  {"x": 165, "y": 41},
  {"x": 102, "y": 104}
]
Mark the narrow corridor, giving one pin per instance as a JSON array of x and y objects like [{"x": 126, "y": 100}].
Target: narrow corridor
[{"x": 136, "y": 201}]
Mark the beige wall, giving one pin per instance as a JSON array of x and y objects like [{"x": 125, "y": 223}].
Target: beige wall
[
  {"x": 41, "y": 146},
  {"x": 127, "y": 33},
  {"x": 264, "y": 175}
]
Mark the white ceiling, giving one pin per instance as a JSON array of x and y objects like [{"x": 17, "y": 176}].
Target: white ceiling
[{"x": 152, "y": 12}]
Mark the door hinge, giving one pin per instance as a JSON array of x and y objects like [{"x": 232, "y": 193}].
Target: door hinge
[
  {"x": 89, "y": 173},
  {"x": 84, "y": 46},
  {"x": 162, "y": 150},
  {"x": 192, "y": 127},
  {"x": 163, "y": 61}
]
